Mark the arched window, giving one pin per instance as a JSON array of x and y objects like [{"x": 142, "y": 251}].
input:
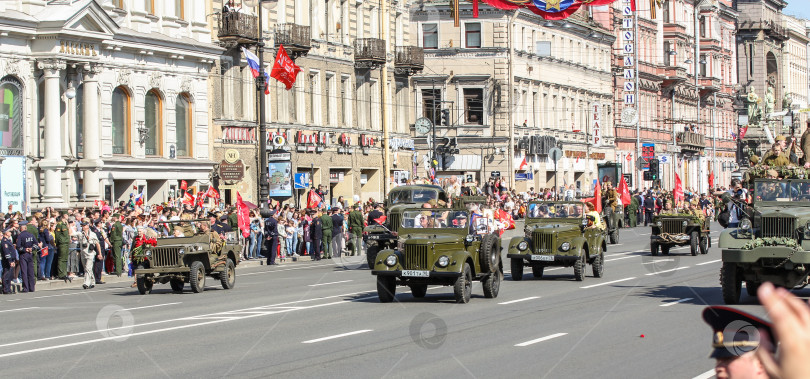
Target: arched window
[
  {"x": 183, "y": 129},
  {"x": 11, "y": 117},
  {"x": 121, "y": 121},
  {"x": 153, "y": 106}
]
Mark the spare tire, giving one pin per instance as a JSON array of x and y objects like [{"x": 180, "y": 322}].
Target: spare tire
[{"x": 489, "y": 254}]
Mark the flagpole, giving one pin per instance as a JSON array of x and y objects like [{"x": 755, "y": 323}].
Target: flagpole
[{"x": 260, "y": 86}]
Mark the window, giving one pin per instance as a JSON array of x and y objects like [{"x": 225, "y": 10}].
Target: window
[
  {"x": 703, "y": 26},
  {"x": 312, "y": 109},
  {"x": 149, "y": 6},
  {"x": 153, "y": 123},
  {"x": 474, "y": 106},
  {"x": 120, "y": 121},
  {"x": 666, "y": 54},
  {"x": 179, "y": 6},
  {"x": 11, "y": 129},
  {"x": 329, "y": 92},
  {"x": 344, "y": 92},
  {"x": 293, "y": 100},
  {"x": 430, "y": 36},
  {"x": 751, "y": 60},
  {"x": 472, "y": 34},
  {"x": 665, "y": 10},
  {"x": 431, "y": 102},
  {"x": 182, "y": 114},
  {"x": 79, "y": 102},
  {"x": 702, "y": 63}
]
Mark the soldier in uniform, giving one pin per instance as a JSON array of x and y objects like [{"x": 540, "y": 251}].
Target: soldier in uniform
[
  {"x": 9, "y": 259},
  {"x": 668, "y": 210},
  {"x": 316, "y": 232},
  {"x": 271, "y": 236},
  {"x": 326, "y": 225},
  {"x": 805, "y": 146},
  {"x": 25, "y": 246},
  {"x": 117, "y": 239},
  {"x": 632, "y": 210},
  {"x": 776, "y": 156},
  {"x": 33, "y": 228},
  {"x": 214, "y": 224},
  {"x": 63, "y": 245},
  {"x": 356, "y": 229},
  {"x": 736, "y": 339}
]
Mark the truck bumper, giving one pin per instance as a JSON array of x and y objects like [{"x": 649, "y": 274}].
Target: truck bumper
[
  {"x": 680, "y": 239},
  {"x": 564, "y": 259},
  {"x": 433, "y": 274},
  {"x": 164, "y": 270},
  {"x": 772, "y": 252}
]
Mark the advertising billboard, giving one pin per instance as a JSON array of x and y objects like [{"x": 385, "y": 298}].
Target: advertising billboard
[{"x": 12, "y": 184}]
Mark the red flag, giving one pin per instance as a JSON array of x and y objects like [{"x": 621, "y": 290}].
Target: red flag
[
  {"x": 711, "y": 180},
  {"x": 624, "y": 192},
  {"x": 200, "y": 198},
  {"x": 243, "y": 218},
  {"x": 475, "y": 8},
  {"x": 188, "y": 199},
  {"x": 183, "y": 185},
  {"x": 597, "y": 197},
  {"x": 677, "y": 193},
  {"x": 380, "y": 220},
  {"x": 633, "y": 5},
  {"x": 313, "y": 199},
  {"x": 522, "y": 164},
  {"x": 507, "y": 219},
  {"x": 212, "y": 193},
  {"x": 284, "y": 69}
]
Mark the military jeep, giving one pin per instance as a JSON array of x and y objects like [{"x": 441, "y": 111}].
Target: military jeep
[
  {"x": 557, "y": 234},
  {"x": 187, "y": 259},
  {"x": 440, "y": 247},
  {"x": 679, "y": 230},
  {"x": 385, "y": 236},
  {"x": 772, "y": 240}
]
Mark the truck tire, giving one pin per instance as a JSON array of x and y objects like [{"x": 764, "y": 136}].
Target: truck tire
[
  {"x": 537, "y": 271},
  {"x": 196, "y": 277},
  {"x": 751, "y": 288},
  {"x": 462, "y": 289},
  {"x": 228, "y": 277},
  {"x": 492, "y": 284},
  {"x": 489, "y": 255},
  {"x": 614, "y": 236},
  {"x": 517, "y": 269},
  {"x": 144, "y": 285},
  {"x": 371, "y": 255},
  {"x": 598, "y": 265},
  {"x": 730, "y": 283},
  {"x": 654, "y": 249},
  {"x": 177, "y": 285},
  {"x": 419, "y": 290},
  {"x": 694, "y": 241},
  {"x": 579, "y": 268},
  {"x": 386, "y": 288},
  {"x": 704, "y": 245},
  {"x": 665, "y": 249}
]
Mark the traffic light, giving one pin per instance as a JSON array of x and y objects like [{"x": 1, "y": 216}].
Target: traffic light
[
  {"x": 647, "y": 176},
  {"x": 653, "y": 169},
  {"x": 445, "y": 117}
]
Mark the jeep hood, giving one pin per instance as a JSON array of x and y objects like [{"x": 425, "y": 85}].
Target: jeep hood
[
  {"x": 555, "y": 227},
  {"x": 417, "y": 239},
  {"x": 802, "y": 213}
]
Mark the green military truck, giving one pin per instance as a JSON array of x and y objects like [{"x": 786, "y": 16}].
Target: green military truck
[
  {"x": 557, "y": 234},
  {"x": 187, "y": 259},
  {"x": 679, "y": 230},
  {"x": 440, "y": 247},
  {"x": 772, "y": 240},
  {"x": 385, "y": 236}
]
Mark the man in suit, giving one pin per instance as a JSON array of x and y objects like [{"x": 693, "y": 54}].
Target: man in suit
[
  {"x": 117, "y": 239},
  {"x": 316, "y": 233},
  {"x": 649, "y": 208},
  {"x": 356, "y": 229},
  {"x": 338, "y": 238},
  {"x": 271, "y": 236},
  {"x": 326, "y": 224}
]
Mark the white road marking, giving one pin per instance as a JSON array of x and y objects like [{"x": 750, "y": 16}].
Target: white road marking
[
  {"x": 338, "y": 336},
  {"x": 519, "y": 300},
  {"x": 77, "y": 293},
  {"x": 18, "y": 309},
  {"x": 620, "y": 258},
  {"x": 658, "y": 260},
  {"x": 709, "y": 262},
  {"x": 706, "y": 375},
  {"x": 150, "y": 306},
  {"x": 555, "y": 268},
  {"x": 325, "y": 284},
  {"x": 287, "y": 269},
  {"x": 675, "y": 302},
  {"x": 666, "y": 271},
  {"x": 611, "y": 282},
  {"x": 541, "y": 339}
]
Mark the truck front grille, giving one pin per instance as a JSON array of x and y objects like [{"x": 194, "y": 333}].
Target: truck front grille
[
  {"x": 778, "y": 226},
  {"x": 416, "y": 257},
  {"x": 543, "y": 242},
  {"x": 165, "y": 257},
  {"x": 672, "y": 226}
]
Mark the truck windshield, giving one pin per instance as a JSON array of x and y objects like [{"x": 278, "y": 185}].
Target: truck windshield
[
  {"x": 435, "y": 219},
  {"x": 413, "y": 196},
  {"x": 783, "y": 190},
  {"x": 554, "y": 210}
]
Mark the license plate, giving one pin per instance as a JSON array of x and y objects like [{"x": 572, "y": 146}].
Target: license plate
[
  {"x": 536, "y": 257},
  {"x": 416, "y": 273}
]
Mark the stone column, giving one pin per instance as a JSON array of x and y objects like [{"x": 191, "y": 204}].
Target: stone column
[
  {"x": 91, "y": 163},
  {"x": 52, "y": 164}
]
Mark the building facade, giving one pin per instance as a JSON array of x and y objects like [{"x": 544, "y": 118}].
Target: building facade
[
  {"x": 795, "y": 64},
  {"x": 513, "y": 87},
  {"x": 102, "y": 99}
]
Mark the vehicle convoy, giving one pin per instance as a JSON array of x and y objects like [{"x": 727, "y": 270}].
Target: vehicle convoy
[
  {"x": 558, "y": 234},
  {"x": 440, "y": 247},
  {"x": 682, "y": 229},
  {"x": 188, "y": 259},
  {"x": 385, "y": 236},
  {"x": 613, "y": 216},
  {"x": 772, "y": 240}
]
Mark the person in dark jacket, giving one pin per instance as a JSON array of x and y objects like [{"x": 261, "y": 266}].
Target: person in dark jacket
[
  {"x": 649, "y": 208},
  {"x": 271, "y": 237},
  {"x": 9, "y": 259},
  {"x": 316, "y": 233},
  {"x": 26, "y": 244},
  {"x": 338, "y": 241},
  {"x": 49, "y": 248},
  {"x": 98, "y": 262},
  {"x": 326, "y": 225}
]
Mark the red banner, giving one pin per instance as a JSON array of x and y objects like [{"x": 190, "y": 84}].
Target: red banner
[
  {"x": 313, "y": 199},
  {"x": 597, "y": 197},
  {"x": 212, "y": 193},
  {"x": 624, "y": 192},
  {"x": 183, "y": 185},
  {"x": 677, "y": 193},
  {"x": 188, "y": 199},
  {"x": 284, "y": 69},
  {"x": 243, "y": 217}
]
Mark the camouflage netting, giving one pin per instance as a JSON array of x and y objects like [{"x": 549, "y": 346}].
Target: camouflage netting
[
  {"x": 771, "y": 241},
  {"x": 784, "y": 172}
]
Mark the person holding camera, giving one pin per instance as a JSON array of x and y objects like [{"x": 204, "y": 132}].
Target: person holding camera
[{"x": 90, "y": 249}]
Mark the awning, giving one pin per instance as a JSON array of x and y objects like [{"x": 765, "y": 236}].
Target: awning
[{"x": 462, "y": 163}]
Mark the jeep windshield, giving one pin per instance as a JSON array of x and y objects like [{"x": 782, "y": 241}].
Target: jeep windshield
[
  {"x": 415, "y": 196},
  {"x": 438, "y": 219},
  {"x": 555, "y": 210},
  {"x": 789, "y": 190}
]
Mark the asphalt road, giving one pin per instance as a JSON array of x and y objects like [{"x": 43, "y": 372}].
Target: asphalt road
[{"x": 323, "y": 319}]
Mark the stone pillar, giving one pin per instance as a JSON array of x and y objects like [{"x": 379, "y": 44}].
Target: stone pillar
[
  {"x": 91, "y": 163},
  {"x": 52, "y": 164}
]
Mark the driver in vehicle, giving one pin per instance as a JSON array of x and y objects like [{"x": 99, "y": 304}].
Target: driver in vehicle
[
  {"x": 577, "y": 211},
  {"x": 594, "y": 220},
  {"x": 562, "y": 211}
]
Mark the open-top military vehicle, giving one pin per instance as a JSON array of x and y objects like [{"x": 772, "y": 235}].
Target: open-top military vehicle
[
  {"x": 772, "y": 240},
  {"x": 557, "y": 234},
  {"x": 444, "y": 247},
  {"x": 385, "y": 236},
  {"x": 682, "y": 229},
  {"x": 187, "y": 259}
]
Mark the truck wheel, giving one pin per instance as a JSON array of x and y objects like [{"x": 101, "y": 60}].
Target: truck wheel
[
  {"x": 579, "y": 268},
  {"x": 694, "y": 240},
  {"x": 371, "y": 255},
  {"x": 598, "y": 265},
  {"x": 144, "y": 285},
  {"x": 177, "y": 285},
  {"x": 463, "y": 286},
  {"x": 730, "y": 283},
  {"x": 751, "y": 288},
  {"x": 614, "y": 236},
  {"x": 704, "y": 245},
  {"x": 517, "y": 269},
  {"x": 196, "y": 277},
  {"x": 665, "y": 249},
  {"x": 228, "y": 277},
  {"x": 419, "y": 290},
  {"x": 654, "y": 249},
  {"x": 489, "y": 254},
  {"x": 492, "y": 284},
  {"x": 386, "y": 288},
  {"x": 537, "y": 271}
]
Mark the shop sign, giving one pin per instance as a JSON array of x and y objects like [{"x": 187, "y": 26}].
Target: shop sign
[
  {"x": 238, "y": 135},
  {"x": 275, "y": 140},
  {"x": 575, "y": 154},
  {"x": 402, "y": 144},
  {"x": 367, "y": 141},
  {"x": 344, "y": 144},
  {"x": 598, "y": 156},
  {"x": 596, "y": 125},
  {"x": 524, "y": 176},
  {"x": 232, "y": 171},
  {"x": 12, "y": 183},
  {"x": 336, "y": 176}
]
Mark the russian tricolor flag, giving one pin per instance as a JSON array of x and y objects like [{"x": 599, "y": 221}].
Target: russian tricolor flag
[{"x": 255, "y": 68}]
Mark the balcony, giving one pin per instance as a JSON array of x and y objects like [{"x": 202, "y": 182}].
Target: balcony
[
  {"x": 691, "y": 141},
  {"x": 295, "y": 38},
  {"x": 238, "y": 28},
  {"x": 709, "y": 85},
  {"x": 409, "y": 59},
  {"x": 369, "y": 52},
  {"x": 674, "y": 30},
  {"x": 771, "y": 28},
  {"x": 673, "y": 75}
]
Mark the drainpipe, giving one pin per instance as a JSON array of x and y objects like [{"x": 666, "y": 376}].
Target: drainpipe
[
  {"x": 384, "y": 24},
  {"x": 510, "y": 47}
]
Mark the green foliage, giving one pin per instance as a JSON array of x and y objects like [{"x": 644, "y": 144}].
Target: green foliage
[{"x": 771, "y": 241}]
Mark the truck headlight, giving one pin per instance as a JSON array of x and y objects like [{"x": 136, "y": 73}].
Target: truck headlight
[
  {"x": 659, "y": 223},
  {"x": 565, "y": 246},
  {"x": 745, "y": 224},
  {"x": 147, "y": 253},
  {"x": 522, "y": 245},
  {"x": 181, "y": 251},
  {"x": 684, "y": 223},
  {"x": 443, "y": 261},
  {"x": 391, "y": 260},
  {"x": 469, "y": 238}
]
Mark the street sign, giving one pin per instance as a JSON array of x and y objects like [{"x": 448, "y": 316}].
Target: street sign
[
  {"x": 641, "y": 163},
  {"x": 555, "y": 154},
  {"x": 495, "y": 174},
  {"x": 301, "y": 181}
]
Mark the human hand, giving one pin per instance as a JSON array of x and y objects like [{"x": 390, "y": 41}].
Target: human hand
[
  {"x": 791, "y": 323},
  {"x": 13, "y": 264}
]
